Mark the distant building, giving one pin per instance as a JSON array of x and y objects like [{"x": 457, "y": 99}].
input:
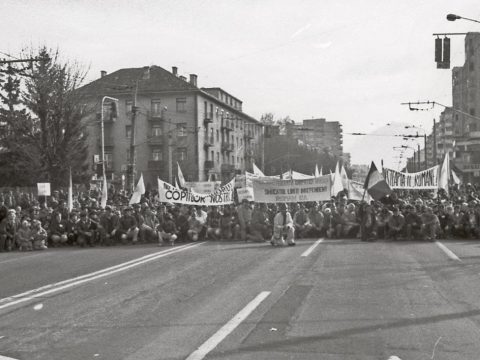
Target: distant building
[
  {"x": 203, "y": 129},
  {"x": 319, "y": 134}
]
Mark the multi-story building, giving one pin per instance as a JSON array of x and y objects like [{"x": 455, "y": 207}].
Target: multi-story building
[
  {"x": 203, "y": 129},
  {"x": 319, "y": 134},
  {"x": 466, "y": 110}
]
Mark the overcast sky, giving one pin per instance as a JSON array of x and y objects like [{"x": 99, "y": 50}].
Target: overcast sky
[{"x": 349, "y": 61}]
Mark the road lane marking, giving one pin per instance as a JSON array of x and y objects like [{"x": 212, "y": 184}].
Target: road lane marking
[
  {"x": 49, "y": 286},
  {"x": 226, "y": 329},
  {"x": 447, "y": 251},
  {"x": 311, "y": 248},
  {"x": 65, "y": 284}
]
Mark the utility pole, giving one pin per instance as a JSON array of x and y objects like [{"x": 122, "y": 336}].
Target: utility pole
[
  {"x": 425, "y": 140},
  {"x": 434, "y": 143},
  {"x": 131, "y": 168}
]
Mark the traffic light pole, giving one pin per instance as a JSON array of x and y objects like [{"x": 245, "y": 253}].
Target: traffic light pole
[{"x": 102, "y": 126}]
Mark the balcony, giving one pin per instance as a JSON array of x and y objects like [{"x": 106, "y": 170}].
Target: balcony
[
  {"x": 156, "y": 164},
  {"x": 155, "y": 140},
  {"x": 227, "y": 168},
  {"x": 474, "y": 134},
  {"x": 227, "y": 147},
  {"x": 209, "y": 164},
  {"x": 248, "y": 134},
  {"x": 227, "y": 125},
  {"x": 208, "y": 119},
  {"x": 209, "y": 142},
  {"x": 155, "y": 116}
]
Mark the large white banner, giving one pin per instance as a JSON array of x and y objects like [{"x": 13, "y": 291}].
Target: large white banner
[
  {"x": 203, "y": 187},
  {"x": 249, "y": 177},
  {"x": 274, "y": 191},
  {"x": 43, "y": 189},
  {"x": 423, "y": 180},
  {"x": 245, "y": 193},
  {"x": 172, "y": 194}
]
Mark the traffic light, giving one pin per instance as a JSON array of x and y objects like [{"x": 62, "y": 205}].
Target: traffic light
[
  {"x": 446, "y": 52},
  {"x": 438, "y": 50},
  {"x": 113, "y": 111}
]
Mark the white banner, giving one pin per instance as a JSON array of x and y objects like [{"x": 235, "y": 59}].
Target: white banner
[
  {"x": 203, "y": 187},
  {"x": 245, "y": 193},
  {"x": 172, "y": 194},
  {"x": 423, "y": 180},
  {"x": 274, "y": 191},
  {"x": 43, "y": 189},
  {"x": 249, "y": 177}
]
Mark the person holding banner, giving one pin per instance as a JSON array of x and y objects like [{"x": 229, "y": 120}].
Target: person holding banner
[{"x": 283, "y": 228}]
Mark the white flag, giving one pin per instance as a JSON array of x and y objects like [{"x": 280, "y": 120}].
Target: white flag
[
  {"x": 317, "y": 173},
  {"x": 321, "y": 170},
  {"x": 456, "y": 179},
  {"x": 103, "y": 201},
  {"x": 337, "y": 181},
  {"x": 180, "y": 176},
  {"x": 444, "y": 174},
  {"x": 70, "y": 193},
  {"x": 344, "y": 176},
  {"x": 257, "y": 171},
  {"x": 139, "y": 191}
]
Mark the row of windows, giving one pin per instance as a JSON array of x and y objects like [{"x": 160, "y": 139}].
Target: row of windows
[
  {"x": 225, "y": 158},
  {"x": 157, "y": 130},
  {"x": 156, "y": 106}
]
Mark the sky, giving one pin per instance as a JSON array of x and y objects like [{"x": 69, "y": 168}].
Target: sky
[{"x": 347, "y": 61}]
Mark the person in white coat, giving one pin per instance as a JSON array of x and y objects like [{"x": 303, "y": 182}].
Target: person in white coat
[{"x": 283, "y": 229}]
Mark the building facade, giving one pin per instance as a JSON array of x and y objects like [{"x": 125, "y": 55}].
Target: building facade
[
  {"x": 319, "y": 134},
  {"x": 171, "y": 120}
]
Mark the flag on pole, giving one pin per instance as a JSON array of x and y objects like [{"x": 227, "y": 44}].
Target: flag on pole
[
  {"x": 70, "y": 193},
  {"x": 444, "y": 173},
  {"x": 257, "y": 171},
  {"x": 181, "y": 179},
  {"x": 176, "y": 184},
  {"x": 321, "y": 170},
  {"x": 344, "y": 176},
  {"x": 337, "y": 181},
  {"x": 375, "y": 184},
  {"x": 103, "y": 201},
  {"x": 456, "y": 179},
  {"x": 139, "y": 191},
  {"x": 317, "y": 173}
]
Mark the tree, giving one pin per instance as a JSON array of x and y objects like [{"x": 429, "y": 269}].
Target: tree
[
  {"x": 267, "y": 119},
  {"x": 47, "y": 136}
]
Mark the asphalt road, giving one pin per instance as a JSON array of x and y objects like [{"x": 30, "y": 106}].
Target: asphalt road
[{"x": 342, "y": 299}]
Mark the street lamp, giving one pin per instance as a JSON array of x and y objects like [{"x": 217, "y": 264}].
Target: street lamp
[
  {"x": 103, "y": 132},
  {"x": 453, "y": 17}
]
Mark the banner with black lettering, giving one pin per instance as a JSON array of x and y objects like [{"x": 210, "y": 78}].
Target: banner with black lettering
[
  {"x": 423, "y": 180},
  {"x": 274, "y": 191},
  {"x": 222, "y": 196}
]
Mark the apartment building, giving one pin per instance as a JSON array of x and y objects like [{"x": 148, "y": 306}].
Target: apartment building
[{"x": 203, "y": 129}]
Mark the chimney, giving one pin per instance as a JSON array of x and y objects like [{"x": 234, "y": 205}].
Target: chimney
[
  {"x": 183, "y": 78},
  {"x": 103, "y": 73},
  {"x": 193, "y": 79},
  {"x": 175, "y": 70},
  {"x": 146, "y": 73}
]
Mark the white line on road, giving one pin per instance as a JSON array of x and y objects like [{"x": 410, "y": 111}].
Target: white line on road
[
  {"x": 226, "y": 329},
  {"x": 65, "y": 284},
  {"x": 447, "y": 251},
  {"x": 310, "y": 249}
]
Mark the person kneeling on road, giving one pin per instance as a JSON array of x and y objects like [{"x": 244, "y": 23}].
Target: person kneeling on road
[
  {"x": 168, "y": 230},
  {"x": 283, "y": 228}
]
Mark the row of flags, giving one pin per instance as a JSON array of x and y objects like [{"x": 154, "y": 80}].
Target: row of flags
[{"x": 375, "y": 185}]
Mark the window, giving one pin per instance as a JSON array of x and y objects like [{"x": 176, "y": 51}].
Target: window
[
  {"x": 182, "y": 129},
  {"x": 182, "y": 154},
  {"x": 211, "y": 155},
  {"x": 157, "y": 154},
  {"x": 182, "y": 104},
  {"x": 108, "y": 161},
  {"x": 157, "y": 130},
  {"x": 128, "y": 131},
  {"x": 156, "y": 107},
  {"x": 218, "y": 135},
  {"x": 218, "y": 157},
  {"x": 128, "y": 106}
]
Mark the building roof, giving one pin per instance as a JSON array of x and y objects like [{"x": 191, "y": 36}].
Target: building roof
[{"x": 123, "y": 80}]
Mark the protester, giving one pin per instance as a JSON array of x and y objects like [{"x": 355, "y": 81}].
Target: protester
[{"x": 283, "y": 228}]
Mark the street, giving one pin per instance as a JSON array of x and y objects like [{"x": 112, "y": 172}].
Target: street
[{"x": 323, "y": 299}]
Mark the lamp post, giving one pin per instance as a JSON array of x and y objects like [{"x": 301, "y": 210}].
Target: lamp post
[
  {"x": 453, "y": 17},
  {"x": 102, "y": 126}
]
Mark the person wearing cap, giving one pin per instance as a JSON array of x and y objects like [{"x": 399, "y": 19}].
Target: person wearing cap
[
  {"x": 316, "y": 221},
  {"x": 127, "y": 227},
  {"x": 24, "y": 236},
  {"x": 213, "y": 224},
  {"x": 85, "y": 234},
  {"x": 413, "y": 223},
  {"x": 72, "y": 228},
  {"x": 168, "y": 230},
  {"x": 301, "y": 221},
  {"x": 149, "y": 229},
  {"x": 261, "y": 227},
  {"x": 7, "y": 230},
  {"x": 430, "y": 224},
  {"x": 39, "y": 235},
  {"x": 283, "y": 228}
]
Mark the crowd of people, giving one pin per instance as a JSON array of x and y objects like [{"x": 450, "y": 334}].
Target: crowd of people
[{"x": 29, "y": 224}]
